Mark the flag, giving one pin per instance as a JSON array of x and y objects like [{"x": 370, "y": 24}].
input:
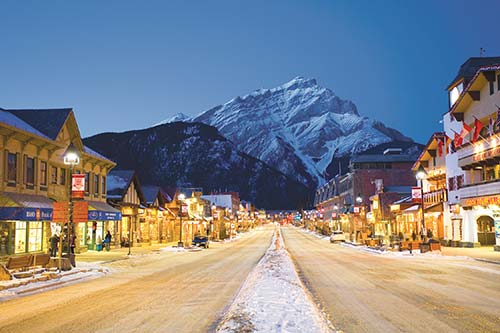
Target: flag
[
  {"x": 497, "y": 123},
  {"x": 478, "y": 126},
  {"x": 440, "y": 142},
  {"x": 465, "y": 130},
  {"x": 491, "y": 127},
  {"x": 457, "y": 141},
  {"x": 448, "y": 143}
]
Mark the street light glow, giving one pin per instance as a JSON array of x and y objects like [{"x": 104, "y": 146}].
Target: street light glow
[
  {"x": 420, "y": 173},
  {"x": 181, "y": 196}
]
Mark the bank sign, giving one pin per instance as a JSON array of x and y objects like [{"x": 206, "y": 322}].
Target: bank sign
[
  {"x": 96, "y": 215},
  {"x": 25, "y": 214}
]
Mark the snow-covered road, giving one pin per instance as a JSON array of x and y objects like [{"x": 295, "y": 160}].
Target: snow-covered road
[
  {"x": 368, "y": 292},
  {"x": 273, "y": 299},
  {"x": 162, "y": 292}
]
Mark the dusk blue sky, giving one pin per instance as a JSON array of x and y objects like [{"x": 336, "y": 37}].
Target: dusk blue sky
[{"x": 130, "y": 64}]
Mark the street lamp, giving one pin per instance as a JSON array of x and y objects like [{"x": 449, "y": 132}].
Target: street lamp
[
  {"x": 181, "y": 198},
  {"x": 420, "y": 175},
  {"x": 71, "y": 158}
]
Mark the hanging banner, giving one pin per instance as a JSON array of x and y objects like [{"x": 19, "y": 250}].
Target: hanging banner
[
  {"x": 80, "y": 211},
  {"x": 184, "y": 209},
  {"x": 61, "y": 212},
  {"x": 416, "y": 194},
  {"x": 77, "y": 186}
]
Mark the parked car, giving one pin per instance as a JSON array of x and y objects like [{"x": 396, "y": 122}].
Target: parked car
[
  {"x": 201, "y": 241},
  {"x": 337, "y": 236}
]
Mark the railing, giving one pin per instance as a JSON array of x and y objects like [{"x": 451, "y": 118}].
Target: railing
[
  {"x": 485, "y": 188},
  {"x": 479, "y": 151},
  {"x": 437, "y": 196}
]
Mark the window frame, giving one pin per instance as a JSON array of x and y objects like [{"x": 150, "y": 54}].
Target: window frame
[
  {"x": 43, "y": 174},
  {"x": 11, "y": 175}
]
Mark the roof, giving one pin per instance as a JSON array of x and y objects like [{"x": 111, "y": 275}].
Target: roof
[
  {"x": 369, "y": 158},
  {"x": 47, "y": 121},
  {"x": 471, "y": 66},
  {"x": 397, "y": 189},
  {"x": 118, "y": 182},
  {"x": 92, "y": 152},
  {"x": 403, "y": 200},
  {"x": 151, "y": 193},
  {"x": 11, "y": 120}
]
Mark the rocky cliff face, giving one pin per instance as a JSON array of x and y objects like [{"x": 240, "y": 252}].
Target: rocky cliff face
[
  {"x": 298, "y": 128},
  {"x": 195, "y": 154}
]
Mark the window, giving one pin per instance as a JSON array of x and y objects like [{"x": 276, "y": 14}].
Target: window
[
  {"x": 43, "y": 173},
  {"x": 35, "y": 236},
  {"x": 492, "y": 87},
  {"x": 455, "y": 93},
  {"x": 62, "y": 179},
  {"x": 11, "y": 168},
  {"x": 30, "y": 171},
  {"x": 87, "y": 185},
  {"x": 96, "y": 185},
  {"x": 53, "y": 175},
  {"x": 20, "y": 242},
  {"x": 103, "y": 186}
]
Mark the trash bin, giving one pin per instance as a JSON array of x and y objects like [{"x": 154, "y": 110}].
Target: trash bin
[
  {"x": 425, "y": 247},
  {"x": 99, "y": 247}
]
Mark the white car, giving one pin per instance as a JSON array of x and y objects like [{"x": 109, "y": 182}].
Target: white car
[{"x": 337, "y": 236}]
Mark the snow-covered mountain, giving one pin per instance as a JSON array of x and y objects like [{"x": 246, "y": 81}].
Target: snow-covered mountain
[
  {"x": 195, "y": 154},
  {"x": 297, "y": 128}
]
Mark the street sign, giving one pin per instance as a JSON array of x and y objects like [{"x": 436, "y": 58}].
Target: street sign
[
  {"x": 77, "y": 186},
  {"x": 60, "y": 212},
  {"x": 80, "y": 211},
  {"x": 416, "y": 194}
]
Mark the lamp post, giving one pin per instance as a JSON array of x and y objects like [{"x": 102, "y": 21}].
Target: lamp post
[
  {"x": 71, "y": 158},
  {"x": 181, "y": 198},
  {"x": 420, "y": 175}
]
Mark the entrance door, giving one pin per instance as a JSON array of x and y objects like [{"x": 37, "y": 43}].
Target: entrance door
[{"x": 485, "y": 230}]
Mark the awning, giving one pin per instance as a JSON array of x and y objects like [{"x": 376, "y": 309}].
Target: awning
[
  {"x": 101, "y": 211},
  {"x": 411, "y": 209},
  {"x": 435, "y": 208},
  {"x": 25, "y": 207}
]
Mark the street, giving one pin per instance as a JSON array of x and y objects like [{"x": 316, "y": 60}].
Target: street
[
  {"x": 363, "y": 292},
  {"x": 167, "y": 292}
]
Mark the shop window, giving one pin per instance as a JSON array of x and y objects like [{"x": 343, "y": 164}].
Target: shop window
[
  {"x": 460, "y": 181},
  {"x": 11, "y": 168},
  {"x": 30, "y": 172},
  {"x": 43, "y": 173},
  {"x": 53, "y": 175},
  {"x": 62, "y": 179},
  {"x": 20, "y": 240},
  {"x": 35, "y": 236},
  {"x": 96, "y": 185}
]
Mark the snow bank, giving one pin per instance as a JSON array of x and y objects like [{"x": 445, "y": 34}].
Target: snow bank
[
  {"x": 273, "y": 299},
  {"x": 43, "y": 281}
]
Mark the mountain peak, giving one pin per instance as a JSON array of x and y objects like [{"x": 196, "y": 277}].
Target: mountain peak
[{"x": 299, "y": 82}]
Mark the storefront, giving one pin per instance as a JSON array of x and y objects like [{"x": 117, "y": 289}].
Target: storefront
[
  {"x": 101, "y": 218},
  {"x": 481, "y": 217},
  {"x": 24, "y": 223}
]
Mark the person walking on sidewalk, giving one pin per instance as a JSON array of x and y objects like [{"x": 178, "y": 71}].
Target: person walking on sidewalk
[
  {"x": 54, "y": 242},
  {"x": 107, "y": 240}
]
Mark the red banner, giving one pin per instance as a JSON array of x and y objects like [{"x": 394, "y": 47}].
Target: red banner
[
  {"x": 77, "y": 186},
  {"x": 80, "y": 211},
  {"x": 416, "y": 194},
  {"x": 60, "y": 212}
]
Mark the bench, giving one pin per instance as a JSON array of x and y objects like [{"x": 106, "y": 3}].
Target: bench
[
  {"x": 18, "y": 263},
  {"x": 40, "y": 259}
]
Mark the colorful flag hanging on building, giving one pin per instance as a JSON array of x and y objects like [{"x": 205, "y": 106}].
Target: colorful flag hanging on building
[
  {"x": 491, "y": 127},
  {"x": 440, "y": 142},
  {"x": 457, "y": 141},
  {"x": 478, "y": 126},
  {"x": 465, "y": 130}
]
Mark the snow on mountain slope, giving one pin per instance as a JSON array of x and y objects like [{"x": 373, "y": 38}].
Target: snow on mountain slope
[{"x": 297, "y": 127}]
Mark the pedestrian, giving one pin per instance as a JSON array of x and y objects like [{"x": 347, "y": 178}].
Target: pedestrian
[
  {"x": 99, "y": 243},
  {"x": 107, "y": 240},
  {"x": 72, "y": 242},
  {"x": 54, "y": 243},
  {"x": 414, "y": 235}
]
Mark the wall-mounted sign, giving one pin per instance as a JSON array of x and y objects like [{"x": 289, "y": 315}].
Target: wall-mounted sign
[
  {"x": 356, "y": 209},
  {"x": 184, "y": 209},
  {"x": 77, "y": 186},
  {"x": 416, "y": 194},
  {"x": 481, "y": 201}
]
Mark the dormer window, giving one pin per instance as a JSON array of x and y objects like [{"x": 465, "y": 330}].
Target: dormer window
[{"x": 454, "y": 93}]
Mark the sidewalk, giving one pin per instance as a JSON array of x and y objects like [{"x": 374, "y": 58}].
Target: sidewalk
[
  {"x": 484, "y": 253},
  {"x": 120, "y": 253}
]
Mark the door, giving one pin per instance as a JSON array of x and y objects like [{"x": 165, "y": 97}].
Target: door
[{"x": 485, "y": 230}]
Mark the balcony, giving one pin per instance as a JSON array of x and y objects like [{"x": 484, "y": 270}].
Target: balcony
[
  {"x": 486, "y": 188},
  {"x": 435, "y": 197},
  {"x": 482, "y": 152}
]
